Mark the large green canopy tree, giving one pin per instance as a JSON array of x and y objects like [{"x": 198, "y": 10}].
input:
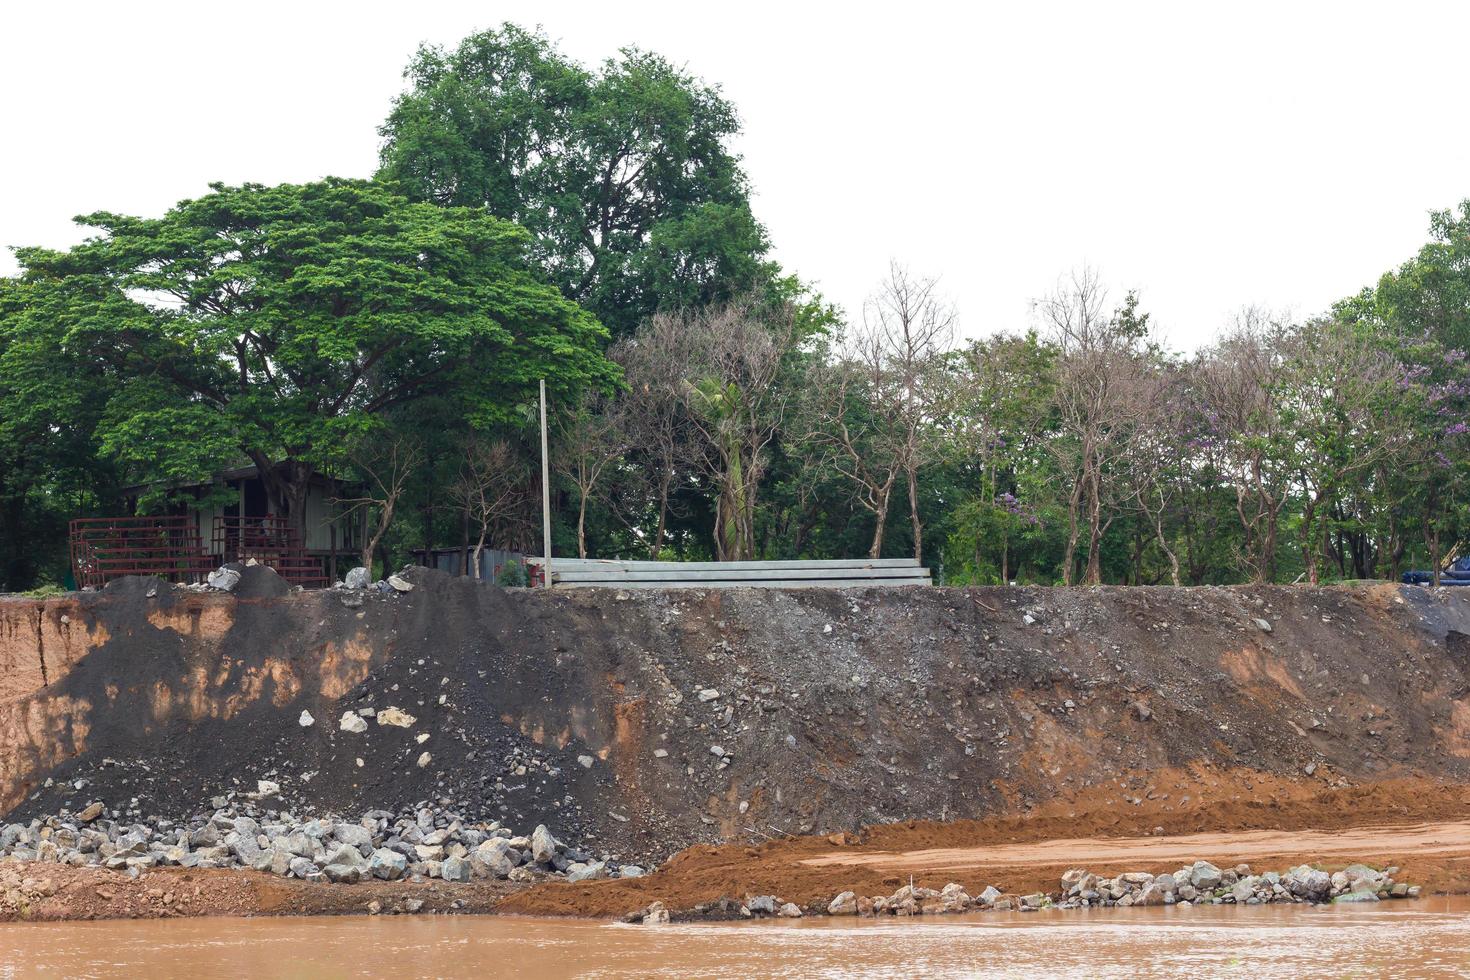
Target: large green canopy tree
[
  {"x": 623, "y": 174},
  {"x": 50, "y": 400},
  {"x": 284, "y": 323}
]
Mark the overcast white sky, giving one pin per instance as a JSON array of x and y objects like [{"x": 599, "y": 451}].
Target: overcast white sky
[{"x": 1210, "y": 155}]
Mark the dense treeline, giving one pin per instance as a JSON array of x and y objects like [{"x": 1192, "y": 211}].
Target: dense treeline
[{"x": 534, "y": 218}]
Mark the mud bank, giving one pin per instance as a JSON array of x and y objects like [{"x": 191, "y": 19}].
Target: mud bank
[
  {"x": 651, "y": 721},
  {"x": 1416, "y": 825},
  {"x": 1419, "y": 827}
]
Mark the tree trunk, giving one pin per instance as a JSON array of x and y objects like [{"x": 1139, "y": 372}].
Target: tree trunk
[
  {"x": 663, "y": 516},
  {"x": 479, "y": 548},
  {"x": 464, "y": 540},
  {"x": 1168, "y": 551},
  {"x": 913, "y": 478},
  {"x": 880, "y": 514},
  {"x": 582, "y": 525},
  {"x": 1094, "y": 535},
  {"x": 1074, "y": 507},
  {"x": 1309, "y": 540},
  {"x": 1431, "y": 538}
]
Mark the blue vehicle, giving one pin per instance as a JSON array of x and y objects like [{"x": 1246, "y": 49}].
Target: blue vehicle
[{"x": 1458, "y": 573}]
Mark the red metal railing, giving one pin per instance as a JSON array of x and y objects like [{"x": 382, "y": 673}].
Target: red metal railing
[
  {"x": 106, "y": 548},
  {"x": 272, "y": 541}
]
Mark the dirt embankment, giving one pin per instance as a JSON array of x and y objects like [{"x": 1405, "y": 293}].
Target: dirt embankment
[
  {"x": 1418, "y": 825},
  {"x": 645, "y": 722}
]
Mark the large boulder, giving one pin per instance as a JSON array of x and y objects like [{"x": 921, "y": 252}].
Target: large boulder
[
  {"x": 455, "y": 869},
  {"x": 243, "y": 846},
  {"x": 589, "y": 871},
  {"x": 354, "y": 835},
  {"x": 844, "y": 904},
  {"x": 543, "y": 845},
  {"x": 1307, "y": 882},
  {"x": 1204, "y": 876},
  {"x": 1153, "y": 894},
  {"x": 1243, "y": 889},
  {"x": 494, "y": 858},
  {"x": 347, "y": 855},
  {"x": 386, "y": 864},
  {"x": 343, "y": 873}
]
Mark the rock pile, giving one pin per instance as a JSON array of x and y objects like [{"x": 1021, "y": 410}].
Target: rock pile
[
  {"x": 1202, "y": 883},
  {"x": 1198, "y": 884},
  {"x": 428, "y": 843}
]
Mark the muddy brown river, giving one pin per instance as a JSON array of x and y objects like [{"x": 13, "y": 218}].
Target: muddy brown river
[{"x": 1428, "y": 938}]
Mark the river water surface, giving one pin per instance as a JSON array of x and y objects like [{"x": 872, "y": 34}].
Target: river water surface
[{"x": 1427, "y": 938}]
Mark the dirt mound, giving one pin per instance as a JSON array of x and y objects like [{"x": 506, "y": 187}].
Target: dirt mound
[{"x": 648, "y": 721}]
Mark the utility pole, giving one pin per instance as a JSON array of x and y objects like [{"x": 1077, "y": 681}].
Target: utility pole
[{"x": 545, "y": 498}]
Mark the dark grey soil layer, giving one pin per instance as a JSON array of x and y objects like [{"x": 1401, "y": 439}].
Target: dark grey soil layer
[{"x": 647, "y": 721}]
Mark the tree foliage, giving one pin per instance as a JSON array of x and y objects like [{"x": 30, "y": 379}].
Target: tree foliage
[
  {"x": 284, "y": 323},
  {"x": 622, "y": 173}
]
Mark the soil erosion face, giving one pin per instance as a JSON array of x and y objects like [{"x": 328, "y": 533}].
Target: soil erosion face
[{"x": 649, "y": 721}]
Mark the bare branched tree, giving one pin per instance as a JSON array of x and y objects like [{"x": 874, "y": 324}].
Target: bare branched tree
[
  {"x": 385, "y": 466},
  {"x": 1099, "y": 372},
  {"x": 491, "y": 489},
  {"x": 656, "y": 361},
  {"x": 736, "y": 405},
  {"x": 871, "y": 411},
  {"x": 1154, "y": 456},
  {"x": 590, "y": 437},
  {"x": 1241, "y": 388}
]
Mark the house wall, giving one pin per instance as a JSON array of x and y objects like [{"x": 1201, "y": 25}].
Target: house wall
[{"x": 317, "y": 532}]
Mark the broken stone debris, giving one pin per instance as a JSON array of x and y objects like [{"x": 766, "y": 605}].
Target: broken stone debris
[
  {"x": 1200, "y": 883},
  {"x": 429, "y": 843}
]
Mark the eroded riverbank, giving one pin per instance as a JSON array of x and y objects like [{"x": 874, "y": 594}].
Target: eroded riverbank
[{"x": 1415, "y": 826}]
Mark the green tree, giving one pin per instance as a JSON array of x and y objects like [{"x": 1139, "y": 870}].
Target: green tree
[
  {"x": 623, "y": 174},
  {"x": 283, "y": 323},
  {"x": 50, "y": 400}
]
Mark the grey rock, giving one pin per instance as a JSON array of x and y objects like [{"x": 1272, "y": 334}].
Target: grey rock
[
  {"x": 206, "y": 836},
  {"x": 455, "y": 869},
  {"x": 591, "y": 871},
  {"x": 494, "y": 858},
  {"x": 543, "y": 845},
  {"x": 761, "y": 904},
  {"x": 343, "y": 873},
  {"x": 353, "y": 834},
  {"x": 243, "y": 847},
  {"x": 358, "y": 578},
  {"x": 1307, "y": 882},
  {"x": 1204, "y": 876},
  {"x": 224, "y": 578},
  {"x": 1152, "y": 894},
  {"x": 386, "y": 864},
  {"x": 346, "y": 854},
  {"x": 1348, "y": 898}
]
